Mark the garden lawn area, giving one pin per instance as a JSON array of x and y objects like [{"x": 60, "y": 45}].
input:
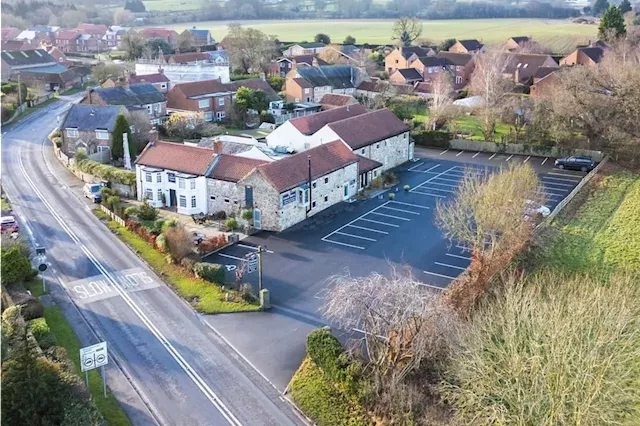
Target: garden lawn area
[
  {"x": 66, "y": 337},
  {"x": 470, "y": 125},
  {"x": 256, "y": 133},
  {"x": 35, "y": 287},
  {"x": 5, "y": 204},
  {"x": 210, "y": 295},
  {"x": 603, "y": 234},
  {"x": 175, "y": 5},
  {"x": 322, "y": 401}
]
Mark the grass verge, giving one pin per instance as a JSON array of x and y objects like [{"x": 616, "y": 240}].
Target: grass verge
[
  {"x": 35, "y": 287},
  {"x": 66, "y": 337},
  {"x": 5, "y": 203},
  {"x": 205, "y": 297},
  {"x": 322, "y": 401},
  {"x": 31, "y": 110}
]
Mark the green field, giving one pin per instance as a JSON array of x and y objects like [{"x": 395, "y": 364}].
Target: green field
[
  {"x": 559, "y": 35},
  {"x": 176, "y": 5}
]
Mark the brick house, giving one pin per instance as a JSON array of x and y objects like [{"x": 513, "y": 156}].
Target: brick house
[
  {"x": 333, "y": 100},
  {"x": 196, "y": 37},
  {"x": 304, "y": 49},
  {"x": 142, "y": 96},
  {"x": 90, "y": 128},
  {"x": 468, "y": 46},
  {"x": 459, "y": 65},
  {"x": 310, "y": 84},
  {"x": 282, "y": 194},
  {"x": 67, "y": 40},
  {"x": 113, "y": 36},
  {"x": 516, "y": 43},
  {"x": 405, "y": 76},
  {"x": 97, "y": 30},
  {"x": 522, "y": 67},
  {"x": 170, "y": 36},
  {"x": 591, "y": 55},
  {"x": 402, "y": 57},
  {"x": 543, "y": 81},
  {"x": 284, "y": 65}
]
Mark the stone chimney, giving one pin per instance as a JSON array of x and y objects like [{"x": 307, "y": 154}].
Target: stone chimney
[
  {"x": 217, "y": 146},
  {"x": 314, "y": 62},
  {"x": 153, "y": 136},
  {"x": 89, "y": 92},
  {"x": 160, "y": 70}
]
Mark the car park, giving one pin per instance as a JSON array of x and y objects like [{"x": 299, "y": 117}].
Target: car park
[
  {"x": 576, "y": 162},
  {"x": 92, "y": 192}
]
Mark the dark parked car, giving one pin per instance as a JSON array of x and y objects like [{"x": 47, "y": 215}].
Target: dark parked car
[{"x": 576, "y": 162}]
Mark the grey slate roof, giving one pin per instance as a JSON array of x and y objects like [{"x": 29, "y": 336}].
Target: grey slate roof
[
  {"x": 311, "y": 45},
  {"x": 337, "y": 76},
  {"x": 410, "y": 74},
  {"x": 471, "y": 44},
  {"x": 410, "y": 50},
  {"x": 35, "y": 57},
  {"x": 92, "y": 117},
  {"x": 595, "y": 53},
  {"x": 136, "y": 94}
]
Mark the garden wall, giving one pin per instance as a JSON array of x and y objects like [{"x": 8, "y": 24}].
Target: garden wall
[{"x": 524, "y": 149}]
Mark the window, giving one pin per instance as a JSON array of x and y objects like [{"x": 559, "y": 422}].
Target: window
[
  {"x": 458, "y": 79},
  {"x": 183, "y": 201},
  {"x": 458, "y": 68},
  {"x": 313, "y": 185},
  {"x": 220, "y": 101},
  {"x": 193, "y": 201},
  {"x": 192, "y": 183},
  {"x": 163, "y": 85},
  {"x": 181, "y": 183},
  {"x": 326, "y": 180},
  {"x": 204, "y": 103},
  {"x": 375, "y": 173},
  {"x": 306, "y": 91},
  {"x": 159, "y": 194},
  {"x": 150, "y": 109},
  {"x": 213, "y": 197},
  {"x": 430, "y": 70},
  {"x": 149, "y": 194},
  {"x": 73, "y": 133},
  {"x": 148, "y": 177},
  {"x": 226, "y": 200},
  {"x": 377, "y": 146},
  {"x": 208, "y": 115},
  {"x": 158, "y": 177},
  {"x": 102, "y": 135},
  {"x": 307, "y": 145},
  {"x": 132, "y": 128},
  {"x": 220, "y": 115},
  {"x": 326, "y": 198},
  {"x": 362, "y": 152},
  {"x": 313, "y": 204},
  {"x": 103, "y": 148},
  {"x": 171, "y": 177}
]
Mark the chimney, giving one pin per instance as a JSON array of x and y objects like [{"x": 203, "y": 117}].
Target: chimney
[
  {"x": 314, "y": 62},
  {"x": 160, "y": 70},
  {"x": 153, "y": 136},
  {"x": 217, "y": 146},
  {"x": 89, "y": 91}
]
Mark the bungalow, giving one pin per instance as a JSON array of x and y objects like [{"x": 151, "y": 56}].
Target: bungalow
[
  {"x": 468, "y": 46},
  {"x": 591, "y": 55},
  {"x": 304, "y": 49},
  {"x": 402, "y": 57},
  {"x": 333, "y": 100},
  {"x": 142, "y": 96},
  {"x": 89, "y": 128},
  {"x": 517, "y": 43},
  {"x": 310, "y": 84},
  {"x": 287, "y": 191}
]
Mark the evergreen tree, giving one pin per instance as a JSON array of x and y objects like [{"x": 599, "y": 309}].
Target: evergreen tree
[
  {"x": 322, "y": 38},
  {"x": 599, "y": 6},
  {"x": 349, "y": 40},
  {"x": 625, "y": 6},
  {"x": 611, "y": 24},
  {"x": 121, "y": 127}
]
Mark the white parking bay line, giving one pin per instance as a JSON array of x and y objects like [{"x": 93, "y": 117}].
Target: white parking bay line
[
  {"x": 566, "y": 175},
  {"x": 367, "y": 229},
  {"x": 428, "y": 170},
  {"x": 476, "y": 154},
  {"x": 545, "y": 182},
  {"x": 381, "y": 223},
  {"x": 444, "y": 152},
  {"x": 446, "y": 265},
  {"x": 411, "y": 205},
  {"x": 527, "y": 159},
  {"x": 430, "y": 195},
  {"x": 417, "y": 165},
  {"x": 355, "y": 236},
  {"x": 341, "y": 244},
  {"x": 232, "y": 257},
  {"x": 439, "y": 189},
  {"x": 431, "y": 286},
  {"x": 491, "y": 158},
  {"x": 443, "y": 184},
  {"x": 460, "y": 153},
  {"x": 401, "y": 210},
  {"x": 510, "y": 157},
  {"x": 440, "y": 275},
  {"x": 560, "y": 179},
  {"x": 432, "y": 178},
  {"x": 544, "y": 161},
  {"x": 391, "y": 216},
  {"x": 457, "y": 256}
]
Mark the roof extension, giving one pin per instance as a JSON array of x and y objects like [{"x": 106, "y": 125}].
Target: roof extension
[
  {"x": 310, "y": 124},
  {"x": 365, "y": 129},
  {"x": 135, "y": 94}
]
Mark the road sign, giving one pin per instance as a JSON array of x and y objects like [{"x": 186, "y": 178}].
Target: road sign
[
  {"x": 252, "y": 263},
  {"x": 94, "y": 356},
  {"x": 42, "y": 267}
]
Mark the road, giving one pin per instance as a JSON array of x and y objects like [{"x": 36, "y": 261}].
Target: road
[{"x": 172, "y": 368}]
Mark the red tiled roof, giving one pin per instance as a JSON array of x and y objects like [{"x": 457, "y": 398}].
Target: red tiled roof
[
  {"x": 336, "y": 99},
  {"x": 232, "y": 168},
  {"x": 368, "y": 128},
  {"x": 156, "y": 32},
  {"x": 365, "y": 164},
  {"x": 148, "y": 78},
  {"x": 175, "y": 156},
  {"x": 371, "y": 86},
  {"x": 289, "y": 172},
  {"x": 310, "y": 124},
  {"x": 67, "y": 35},
  {"x": 181, "y": 58},
  {"x": 199, "y": 88}
]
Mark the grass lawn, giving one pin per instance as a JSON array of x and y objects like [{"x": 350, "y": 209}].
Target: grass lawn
[
  {"x": 470, "y": 125},
  {"x": 561, "y": 36},
  {"x": 210, "y": 296},
  {"x": 176, "y": 5},
  {"x": 66, "y": 337},
  {"x": 321, "y": 400},
  {"x": 35, "y": 287},
  {"x": 603, "y": 234},
  {"x": 256, "y": 133},
  {"x": 5, "y": 203}
]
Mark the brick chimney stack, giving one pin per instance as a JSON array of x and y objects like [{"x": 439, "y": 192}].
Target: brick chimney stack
[{"x": 153, "y": 136}]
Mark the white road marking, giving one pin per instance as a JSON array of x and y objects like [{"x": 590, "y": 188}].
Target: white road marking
[
  {"x": 449, "y": 180},
  {"x": 430, "y": 195},
  {"x": 401, "y": 210},
  {"x": 355, "y": 236},
  {"x": 571, "y": 185},
  {"x": 232, "y": 257},
  {"x": 381, "y": 223},
  {"x": 411, "y": 205},
  {"x": 443, "y": 184},
  {"x": 446, "y": 265},
  {"x": 544, "y": 161},
  {"x": 458, "y": 256},
  {"x": 567, "y": 175},
  {"x": 444, "y": 152},
  {"x": 476, "y": 154},
  {"x": 527, "y": 159},
  {"x": 428, "y": 170},
  {"x": 560, "y": 179},
  {"x": 438, "y": 189},
  {"x": 440, "y": 275},
  {"x": 342, "y": 244},
  {"x": 368, "y": 229},
  {"x": 460, "y": 153},
  {"x": 416, "y": 166},
  {"x": 431, "y": 286},
  {"x": 430, "y": 179},
  {"x": 175, "y": 354},
  {"x": 550, "y": 188},
  {"x": 509, "y": 158},
  {"x": 494, "y": 154},
  {"x": 391, "y": 216},
  {"x": 252, "y": 247}
]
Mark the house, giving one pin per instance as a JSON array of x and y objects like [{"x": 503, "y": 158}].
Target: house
[
  {"x": 158, "y": 80},
  {"x": 543, "y": 81},
  {"x": 584, "y": 56},
  {"x": 522, "y": 67},
  {"x": 22, "y": 60},
  {"x": 9, "y": 33},
  {"x": 89, "y": 43},
  {"x": 401, "y": 57},
  {"x": 372, "y": 89},
  {"x": 460, "y": 65},
  {"x": 284, "y": 65},
  {"x": 59, "y": 56},
  {"x": 405, "y": 76},
  {"x": 188, "y": 67},
  {"x": 67, "y": 40},
  {"x": 89, "y": 128},
  {"x": 297, "y": 134},
  {"x": 197, "y": 37},
  {"x": 514, "y": 44},
  {"x": 377, "y": 135},
  {"x": 333, "y": 100},
  {"x": 174, "y": 175},
  {"x": 287, "y": 191},
  {"x": 56, "y": 78},
  {"x": 96, "y": 30},
  {"x": 304, "y": 49},
  {"x": 170, "y": 36},
  {"x": 113, "y": 37},
  {"x": 310, "y": 84},
  {"x": 467, "y": 46},
  {"x": 143, "y": 96}
]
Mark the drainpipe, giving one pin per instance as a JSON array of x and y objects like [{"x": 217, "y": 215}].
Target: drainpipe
[{"x": 309, "y": 207}]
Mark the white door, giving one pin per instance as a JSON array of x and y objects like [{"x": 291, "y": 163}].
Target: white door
[
  {"x": 411, "y": 151},
  {"x": 257, "y": 219},
  {"x": 345, "y": 194}
]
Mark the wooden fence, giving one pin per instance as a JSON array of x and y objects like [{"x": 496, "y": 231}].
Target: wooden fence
[{"x": 112, "y": 215}]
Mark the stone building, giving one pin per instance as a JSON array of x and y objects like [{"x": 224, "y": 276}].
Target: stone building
[{"x": 222, "y": 184}]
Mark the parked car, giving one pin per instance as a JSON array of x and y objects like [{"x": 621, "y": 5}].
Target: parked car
[
  {"x": 9, "y": 224},
  {"x": 576, "y": 162},
  {"x": 92, "y": 192}
]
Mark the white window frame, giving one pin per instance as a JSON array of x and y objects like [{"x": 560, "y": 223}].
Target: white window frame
[
  {"x": 182, "y": 201},
  {"x": 458, "y": 79},
  {"x": 203, "y": 103},
  {"x": 148, "y": 194},
  {"x": 171, "y": 177},
  {"x": 150, "y": 109},
  {"x": 102, "y": 148},
  {"x": 194, "y": 202},
  {"x": 306, "y": 91},
  {"x": 102, "y": 135},
  {"x": 192, "y": 183},
  {"x": 148, "y": 177},
  {"x": 181, "y": 183},
  {"x": 220, "y": 115},
  {"x": 72, "y": 133},
  {"x": 220, "y": 101},
  {"x": 158, "y": 177},
  {"x": 160, "y": 194}
]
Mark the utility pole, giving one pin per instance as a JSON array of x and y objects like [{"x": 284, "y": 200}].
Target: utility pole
[
  {"x": 19, "y": 90},
  {"x": 308, "y": 209},
  {"x": 260, "y": 251}
]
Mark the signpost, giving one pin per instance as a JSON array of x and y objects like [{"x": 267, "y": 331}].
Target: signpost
[
  {"x": 94, "y": 356},
  {"x": 252, "y": 263}
]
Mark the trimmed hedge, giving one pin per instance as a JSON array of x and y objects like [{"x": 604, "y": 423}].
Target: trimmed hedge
[
  {"x": 437, "y": 138},
  {"x": 327, "y": 352},
  {"x": 107, "y": 172},
  {"x": 211, "y": 272},
  {"x": 42, "y": 333}
]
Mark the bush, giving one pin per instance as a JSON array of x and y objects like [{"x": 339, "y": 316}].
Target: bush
[
  {"x": 266, "y": 117},
  {"x": 211, "y": 244},
  {"x": 189, "y": 261},
  {"x": 179, "y": 243},
  {"x": 247, "y": 215},
  {"x": 246, "y": 291},
  {"x": 220, "y": 215},
  {"x": 130, "y": 211},
  {"x": 15, "y": 266},
  {"x": 326, "y": 351},
  {"x": 104, "y": 171},
  {"x": 392, "y": 196},
  {"x": 147, "y": 211},
  {"x": 31, "y": 309},
  {"x": 161, "y": 243},
  {"x": 232, "y": 224},
  {"x": 112, "y": 202},
  {"x": 169, "y": 224},
  {"x": 211, "y": 272},
  {"x": 42, "y": 333},
  {"x": 437, "y": 138}
]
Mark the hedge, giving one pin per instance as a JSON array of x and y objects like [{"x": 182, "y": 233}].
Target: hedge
[
  {"x": 107, "y": 172},
  {"x": 435, "y": 138},
  {"x": 327, "y": 352},
  {"x": 211, "y": 272}
]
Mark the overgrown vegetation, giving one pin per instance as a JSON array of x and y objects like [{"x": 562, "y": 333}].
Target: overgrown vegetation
[{"x": 104, "y": 171}]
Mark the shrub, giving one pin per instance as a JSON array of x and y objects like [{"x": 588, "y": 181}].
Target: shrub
[
  {"x": 104, "y": 171},
  {"x": 130, "y": 211},
  {"x": 389, "y": 178},
  {"x": 15, "y": 266},
  {"x": 179, "y": 243},
  {"x": 57, "y": 141},
  {"x": 161, "y": 243},
  {"x": 437, "y": 138},
  {"x": 157, "y": 227},
  {"x": 266, "y": 117},
  {"x": 32, "y": 309},
  {"x": 147, "y": 211},
  {"x": 189, "y": 261},
  {"x": 232, "y": 224},
  {"x": 42, "y": 333},
  {"x": 112, "y": 202},
  {"x": 407, "y": 187},
  {"x": 392, "y": 196},
  {"x": 220, "y": 215},
  {"x": 211, "y": 272},
  {"x": 247, "y": 215},
  {"x": 169, "y": 224},
  {"x": 326, "y": 351}
]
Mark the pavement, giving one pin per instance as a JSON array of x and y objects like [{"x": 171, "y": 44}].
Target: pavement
[
  {"x": 359, "y": 238},
  {"x": 169, "y": 366}
]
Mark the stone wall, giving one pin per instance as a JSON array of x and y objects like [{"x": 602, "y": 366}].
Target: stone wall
[
  {"x": 390, "y": 152},
  {"x": 266, "y": 199},
  {"x": 226, "y": 196},
  {"x": 516, "y": 148}
]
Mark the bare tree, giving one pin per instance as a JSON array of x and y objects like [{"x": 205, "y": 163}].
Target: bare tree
[
  {"x": 406, "y": 30},
  {"x": 488, "y": 81},
  {"x": 440, "y": 107},
  {"x": 250, "y": 50}
]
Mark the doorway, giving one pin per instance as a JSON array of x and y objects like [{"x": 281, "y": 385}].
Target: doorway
[
  {"x": 172, "y": 198},
  {"x": 257, "y": 219}
]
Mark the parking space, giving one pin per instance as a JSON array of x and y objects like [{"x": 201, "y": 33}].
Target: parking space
[{"x": 234, "y": 256}]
